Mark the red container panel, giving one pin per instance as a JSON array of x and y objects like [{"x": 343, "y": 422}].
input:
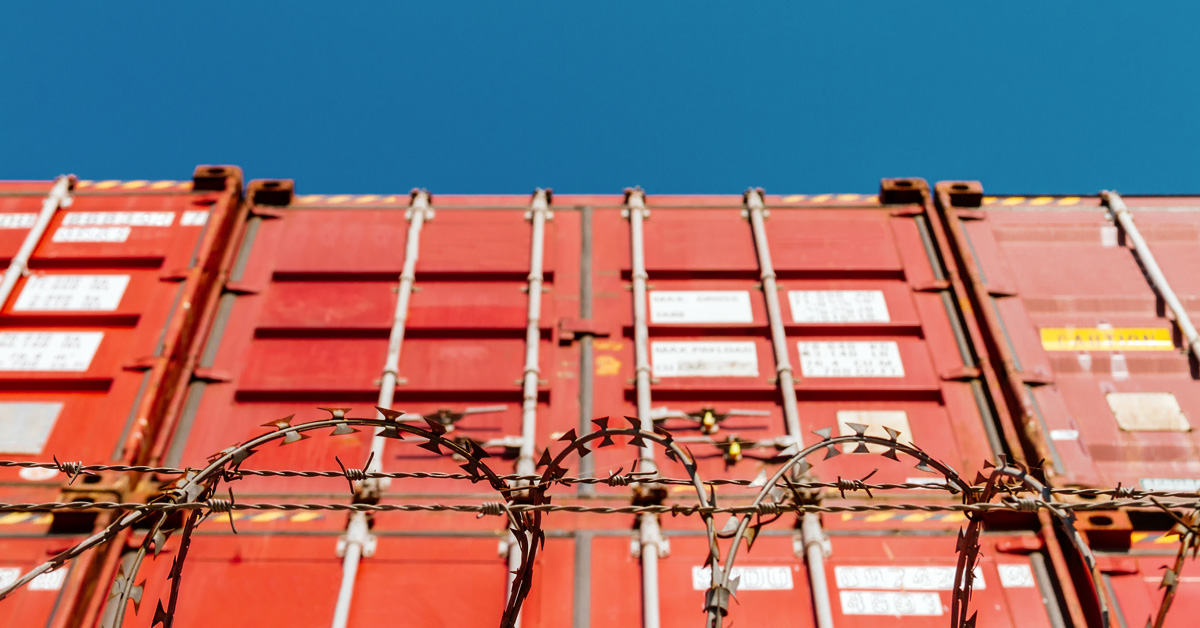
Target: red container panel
[
  {"x": 1133, "y": 581},
  {"x": 93, "y": 337},
  {"x": 872, "y": 334},
  {"x": 305, "y": 324},
  {"x": 1120, "y": 397},
  {"x": 53, "y": 599}
]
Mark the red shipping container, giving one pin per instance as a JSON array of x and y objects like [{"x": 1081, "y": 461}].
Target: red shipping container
[
  {"x": 305, "y": 320},
  {"x": 1104, "y": 392},
  {"x": 1133, "y": 580},
  {"x": 96, "y": 332}
]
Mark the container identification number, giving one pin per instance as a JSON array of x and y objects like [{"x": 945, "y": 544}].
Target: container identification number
[{"x": 889, "y": 603}]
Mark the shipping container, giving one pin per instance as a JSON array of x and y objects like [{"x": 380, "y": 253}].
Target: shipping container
[
  {"x": 866, "y": 318},
  {"x": 1134, "y": 580},
  {"x": 1098, "y": 373},
  {"x": 102, "y": 285}
]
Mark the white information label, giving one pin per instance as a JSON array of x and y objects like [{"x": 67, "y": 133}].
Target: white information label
[
  {"x": 9, "y": 575},
  {"x": 1016, "y": 576},
  {"x": 700, "y": 306},
  {"x": 91, "y": 234},
  {"x": 118, "y": 219},
  {"x": 891, "y": 604},
  {"x": 17, "y": 221},
  {"x": 72, "y": 293},
  {"x": 193, "y": 218},
  {"x": 915, "y": 578},
  {"x": 37, "y": 475},
  {"x": 704, "y": 358},
  {"x": 1170, "y": 484},
  {"x": 1064, "y": 434},
  {"x": 776, "y": 578},
  {"x": 838, "y": 306},
  {"x": 850, "y": 359},
  {"x": 48, "y": 350},
  {"x": 49, "y": 581}
]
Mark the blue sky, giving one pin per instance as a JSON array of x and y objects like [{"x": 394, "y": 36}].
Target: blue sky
[{"x": 678, "y": 97}]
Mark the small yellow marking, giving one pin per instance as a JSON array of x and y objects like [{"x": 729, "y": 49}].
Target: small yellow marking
[
  {"x": 607, "y": 365},
  {"x": 954, "y": 516},
  {"x": 301, "y": 517},
  {"x": 876, "y": 517},
  {"x": 1013, "y": 200},
  {"x": 390, "y": 199},
  {"x": 847, "y": 197},
  {"x": 184, "y": 185},
  {"x": 341, "y": 198},
  {"x": 1093, "y": 339},
  {"x": 1138, "y": 537},
  {"x": 1042, "y": 200},
  {"x": 44, "y": 519},
  {"x": 83, "y": 184},
  {"x": 16, "y": 517},
  {"x": 821, "y": 198},
  {"x": 918, "y": 516},
  {"x": 795, "y": 198},
  {"x": 369, "y": 198},
  {"x": 104, "y": 185},
  {"x": 988, "y": 200},
  {"x": 1170, "y": 537},
  {"x": 158, "y": 185},
  {"x": 133, "y": 185},
  {"x": 311, "y": 198},
  {"x": 267, "y": 516},
  {"x": 607, "y": 345},
  {"x": 874, "y": 200},
  {"x": 1069, "y": 200},
  {"x": 846, "y": 516}
]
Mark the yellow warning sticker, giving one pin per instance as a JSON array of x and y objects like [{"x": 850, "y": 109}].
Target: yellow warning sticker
[{"x": 1095, "y": 339}]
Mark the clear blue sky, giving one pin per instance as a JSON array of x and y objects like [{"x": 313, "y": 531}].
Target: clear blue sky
[{"x": 796, "y": 97}]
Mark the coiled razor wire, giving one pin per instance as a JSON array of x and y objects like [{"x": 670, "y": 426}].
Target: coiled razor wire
[{"x": 526, "y": 498}]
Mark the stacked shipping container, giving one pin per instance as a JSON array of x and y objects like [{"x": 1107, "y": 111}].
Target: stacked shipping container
[{"x": 147, "y": 333}]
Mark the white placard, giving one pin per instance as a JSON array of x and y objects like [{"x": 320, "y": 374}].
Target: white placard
[
  {"x": 1170, "y": 484},
  {"x": 118, "y": 219},
  {"x": 17, "y": 221},
  {"x": 48, "y": 350},
  {"x": 838, "y": 306},
  {"x": 193, "y": 218},
  {"x": 777, "y": 578},
  {"x": 1016, "y": 576},
  {"x": 700, "y": 306},
  {"x": 91, "y": 234},
  {"x": 1064, "y": 434},
  {"x": 850, "y": 359},
  {"x": 913, "y": 578},
  {"x": 72, "y": 293},
  {"x": 704, "y": 358},
  {"x": 891, "y": 604},
  {"x": 49, "y": 581}
]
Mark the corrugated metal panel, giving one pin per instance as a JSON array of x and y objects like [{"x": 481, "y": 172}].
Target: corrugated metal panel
[
  {"x": 95, "y": 333},
  {"x": 1108, "y": 395}
]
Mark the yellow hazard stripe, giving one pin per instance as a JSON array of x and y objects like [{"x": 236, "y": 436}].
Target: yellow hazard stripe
[{"x": 1094, "y": 339}]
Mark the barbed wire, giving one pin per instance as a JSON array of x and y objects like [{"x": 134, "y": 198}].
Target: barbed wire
[{"x": 1009, "y": 487}]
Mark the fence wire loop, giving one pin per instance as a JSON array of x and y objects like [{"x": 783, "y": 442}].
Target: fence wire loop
[{"x": 1008, "y": 486}]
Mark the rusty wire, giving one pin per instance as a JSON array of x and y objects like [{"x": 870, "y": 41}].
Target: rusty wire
[{"x": 526, "y": 498}]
